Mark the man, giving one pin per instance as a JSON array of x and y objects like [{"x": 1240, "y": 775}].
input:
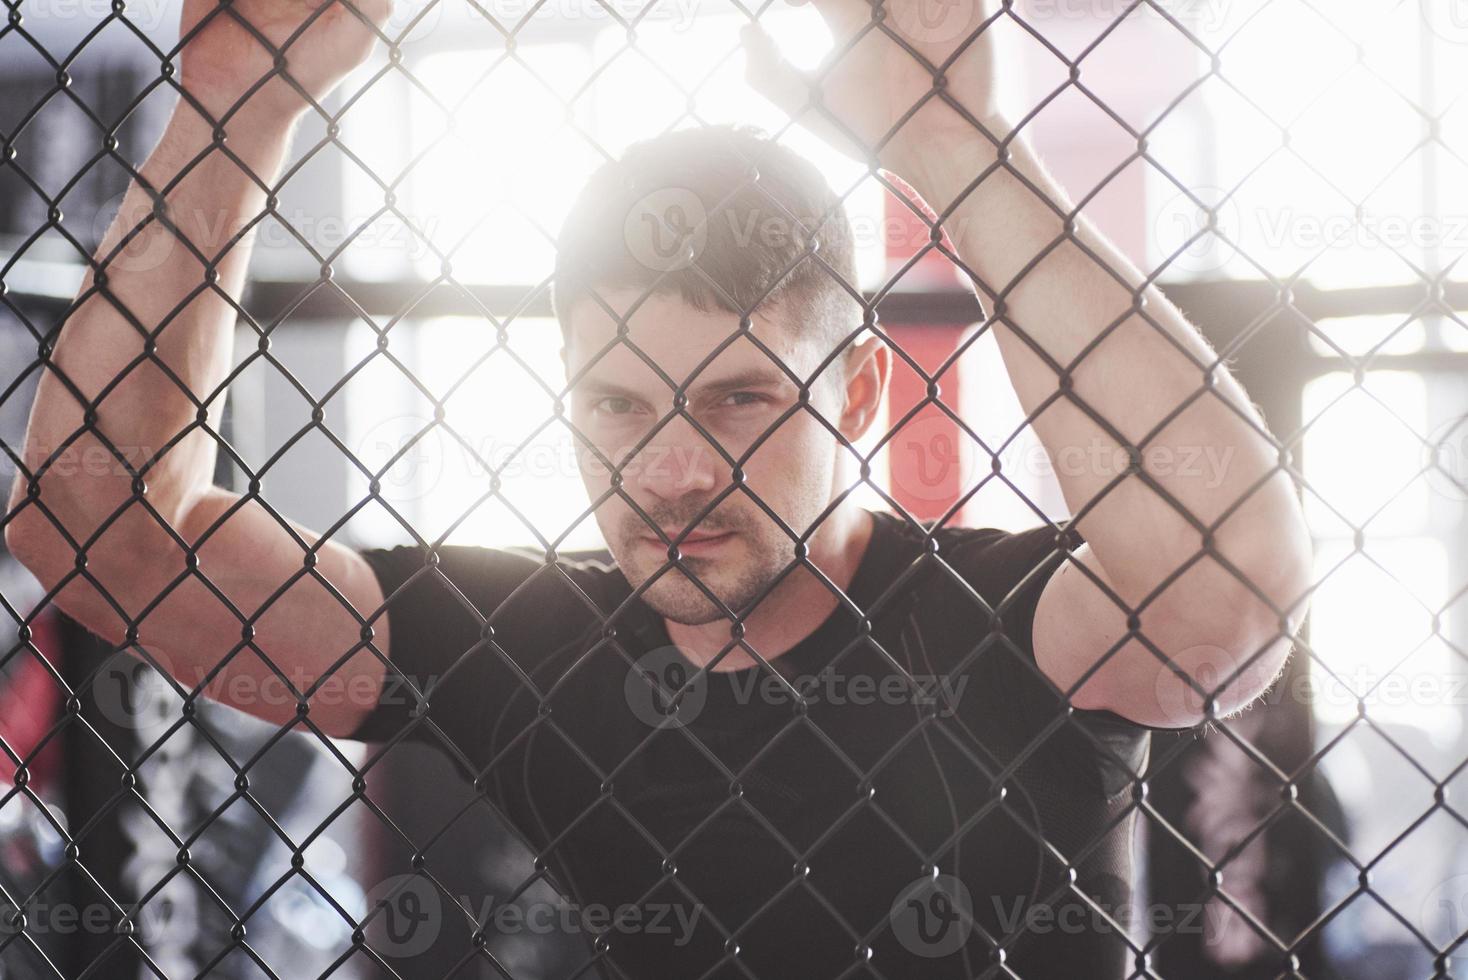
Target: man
[{"x": 824, "y": 741}]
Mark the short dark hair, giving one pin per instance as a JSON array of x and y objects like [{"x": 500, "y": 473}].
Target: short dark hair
[{"x": 773, "y": 231}]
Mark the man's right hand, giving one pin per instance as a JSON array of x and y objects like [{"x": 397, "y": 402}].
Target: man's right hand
[{"x": 225, "y": 61}]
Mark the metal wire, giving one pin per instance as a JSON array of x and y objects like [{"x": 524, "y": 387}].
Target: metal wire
[{"x": 601, "y": 635}]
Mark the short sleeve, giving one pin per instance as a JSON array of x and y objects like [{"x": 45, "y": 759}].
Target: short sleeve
[
  {"x": 449, "y": 611},
  {"x": 1011, "y": 569}
]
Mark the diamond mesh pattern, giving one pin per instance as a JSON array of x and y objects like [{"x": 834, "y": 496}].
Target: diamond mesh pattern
[{"x": 1214, "y": 857}]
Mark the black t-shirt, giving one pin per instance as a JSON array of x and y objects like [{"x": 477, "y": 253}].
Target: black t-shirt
[{"x": 910, "y": 825}]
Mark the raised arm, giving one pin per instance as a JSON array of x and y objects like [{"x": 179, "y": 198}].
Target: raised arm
[
  {"x": 176, "y": 565},
  {"x": 1211, "y": 547}
]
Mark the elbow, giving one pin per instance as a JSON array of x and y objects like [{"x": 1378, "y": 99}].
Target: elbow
[
  {"x": 1266, "y": 632},
  {"x": 1258, "y": 587},
  {"x": 1235, "y": 667},
  {"x": 1217, "y": 682},
  {"x": 1275, "y": 579},
  {"x": 41, "y": 538},
  {"x": 24, "y": 532},
  {"x": 1235, "y": 653}
]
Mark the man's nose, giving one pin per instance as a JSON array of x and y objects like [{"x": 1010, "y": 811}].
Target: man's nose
[{"x": 678, "y": 460}]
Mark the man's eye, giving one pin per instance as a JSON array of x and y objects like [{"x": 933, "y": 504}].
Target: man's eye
[{"x": 615, "y": 406}]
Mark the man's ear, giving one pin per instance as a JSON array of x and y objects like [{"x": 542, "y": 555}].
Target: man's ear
[{"x": 867, "y": 368}]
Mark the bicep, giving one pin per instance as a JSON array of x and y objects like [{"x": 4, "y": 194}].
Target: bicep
[{"x": 251, "y": 623}]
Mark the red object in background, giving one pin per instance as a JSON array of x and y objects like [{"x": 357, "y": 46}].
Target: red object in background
[
  {"x": 30, "y": 705},
  {"x": 905, "y": 233},
  {"x": 925, "y": 454},
  {"x": 928, "y": 468}
]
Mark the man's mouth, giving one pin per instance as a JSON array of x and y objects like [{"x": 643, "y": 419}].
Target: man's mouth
[{"x": 694, "y": 544}]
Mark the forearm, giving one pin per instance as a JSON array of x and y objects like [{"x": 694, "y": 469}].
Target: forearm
[
  {"x": 1138, "y": 378},
  {"x": 151, "y": 292}
]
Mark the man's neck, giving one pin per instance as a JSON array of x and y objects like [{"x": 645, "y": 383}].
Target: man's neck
[{"x": 798, "y": 605}]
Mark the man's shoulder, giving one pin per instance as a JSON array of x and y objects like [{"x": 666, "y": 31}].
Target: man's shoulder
[{"x": 991, "y": 560}]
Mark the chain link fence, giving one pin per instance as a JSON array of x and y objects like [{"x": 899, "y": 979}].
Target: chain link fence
[{"x": 818, "y": 491}]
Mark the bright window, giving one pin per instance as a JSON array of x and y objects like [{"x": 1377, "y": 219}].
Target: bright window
[
  {"x": 1378, "y": 623},
  {"x": 494, "y": 204},
  {"x": 1333, "y": 205}
]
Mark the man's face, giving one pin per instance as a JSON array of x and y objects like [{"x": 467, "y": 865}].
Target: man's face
[{"x": 678, "y": 474}]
